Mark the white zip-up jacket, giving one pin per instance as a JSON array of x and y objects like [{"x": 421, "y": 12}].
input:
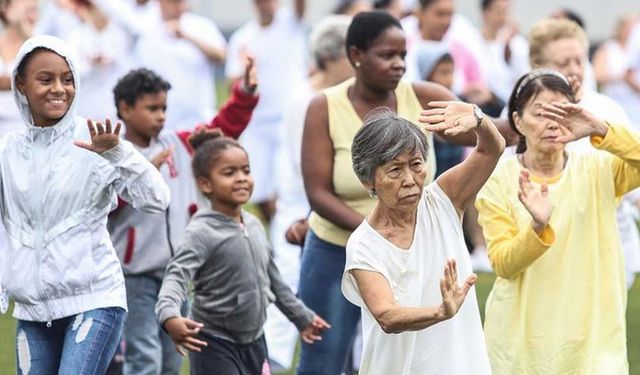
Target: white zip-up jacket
[{"x": 54, "y": 202}]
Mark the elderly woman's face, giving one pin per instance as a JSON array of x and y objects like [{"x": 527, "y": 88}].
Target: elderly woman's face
[
  {"x": 400, "y": 182},
  {"x": 539, "y": 131}
]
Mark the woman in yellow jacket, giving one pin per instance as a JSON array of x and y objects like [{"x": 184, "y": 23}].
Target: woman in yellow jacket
[{"x": 549, "y": 218}]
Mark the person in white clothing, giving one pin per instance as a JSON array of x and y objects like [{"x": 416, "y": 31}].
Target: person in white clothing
[
  {"x": 612, "y": 63},
  {"x": 183, "y": 47},
  {"x": 103, "y": 48},
  {"x": 18, "y": 19},
  {"x": 289, "y": 224},
  {"x": 61, "y": 176},
  {"x": 395, "y": 258},
  {"x": 505, "y": 52},
  {"x": 277, "y": 41}
]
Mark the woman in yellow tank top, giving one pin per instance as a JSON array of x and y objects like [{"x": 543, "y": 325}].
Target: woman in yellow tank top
[{"x": 376, "y": 48}]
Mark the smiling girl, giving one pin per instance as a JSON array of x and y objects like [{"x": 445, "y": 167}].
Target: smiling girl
[{"x": 59, "y": 179}]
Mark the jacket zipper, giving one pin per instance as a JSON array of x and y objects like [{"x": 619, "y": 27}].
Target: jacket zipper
[{"x": 255, "y": 265}]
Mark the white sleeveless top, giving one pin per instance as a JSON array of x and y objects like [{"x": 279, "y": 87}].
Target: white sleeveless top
[{"x": 455, "y": 346}]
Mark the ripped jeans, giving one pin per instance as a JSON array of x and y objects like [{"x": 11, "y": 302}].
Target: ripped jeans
[{"x": 80, "y": 344}]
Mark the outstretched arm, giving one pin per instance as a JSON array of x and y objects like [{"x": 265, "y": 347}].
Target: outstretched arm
[
  {"x": 462, "y": 182},
  {"x": 378, "y": 296}
]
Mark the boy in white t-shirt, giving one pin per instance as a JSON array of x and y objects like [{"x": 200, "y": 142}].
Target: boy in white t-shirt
[
  {"x": 183, "y": 47},
  {"x": 276, "y": 38}
]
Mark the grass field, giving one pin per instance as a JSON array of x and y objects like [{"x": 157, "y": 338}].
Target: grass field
[{"x": 7, "y": 329}]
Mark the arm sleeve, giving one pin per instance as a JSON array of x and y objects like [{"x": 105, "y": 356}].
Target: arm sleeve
[
  {"x": 511, "y": 249},
  {"x": 286, "y": 301},
  {"x": 175, "y": 286},
  {"x": 361, "y": 257},
  {"x": 624, "y": 145},
  {"x": 236, "y": 113},
  {"x": 138, "y": 182}
]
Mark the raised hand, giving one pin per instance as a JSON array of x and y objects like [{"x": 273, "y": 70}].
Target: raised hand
[
  {"x": 162, "y": 157},
  {"x": 183, "y": 332},
  {"x": 535, "y": 200},
  {"x": 575, "y": 122},
  {"x": 250, "y": 79},
  {"x": 453, "y": 295},
  {"x": 102, "y": 137},
  {"x": 313, "y": 332},
  {"x": 451, "y": 117}
]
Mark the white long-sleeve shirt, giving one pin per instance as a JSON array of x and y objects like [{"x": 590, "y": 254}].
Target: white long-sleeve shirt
[{"x": 54, "y": 202}]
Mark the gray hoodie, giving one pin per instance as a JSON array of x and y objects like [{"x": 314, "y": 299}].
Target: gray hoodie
[{"x": 234, "y": 279}]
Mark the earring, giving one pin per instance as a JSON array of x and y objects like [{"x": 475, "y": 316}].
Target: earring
[
  {"x": 373, "y": 193},
  {"x": 357, "y": 64}
]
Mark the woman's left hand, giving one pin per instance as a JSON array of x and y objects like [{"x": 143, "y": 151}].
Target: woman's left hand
[
  {"x": 451, "y": 117},
  {"x": 103, "y": 138},
  {"x": 575, "y": 122},
  {"x": 313, "y": 332}
]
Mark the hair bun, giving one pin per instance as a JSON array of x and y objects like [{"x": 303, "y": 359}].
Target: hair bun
[{"x": 202, "y": 135}]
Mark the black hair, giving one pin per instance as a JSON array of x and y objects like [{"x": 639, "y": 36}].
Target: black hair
[
  {"x": 366, "y": 27},
  {"x": 381, "y": 4},
  {"x": 484, "y": 4},
  {"x": 22, "y": 67},
  {"x": 207, "y": 146},
  {"x": 426, "y": 3},
  {"x": 520, "y": 97},
  {"x": 573, "y": 16},
  {"x": 136, "y": 83}
]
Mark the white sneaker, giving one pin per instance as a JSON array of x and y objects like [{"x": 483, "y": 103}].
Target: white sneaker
[{"x": 480, "y": 260}]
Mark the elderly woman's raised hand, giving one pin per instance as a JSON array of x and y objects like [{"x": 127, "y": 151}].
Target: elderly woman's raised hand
[
  {"x": 451, "y": 117},
  {"x": 453, "y": 295},
  {"x": 575, "y": 122},
  {"x": 535, "y": 200}
]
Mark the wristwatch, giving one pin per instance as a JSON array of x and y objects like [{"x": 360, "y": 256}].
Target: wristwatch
[{"x": 479, "y": 115}]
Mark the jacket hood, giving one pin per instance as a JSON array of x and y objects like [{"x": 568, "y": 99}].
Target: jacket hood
[
  {"x": 428, "y": 54},
  {"x": 61, "y": 48}
]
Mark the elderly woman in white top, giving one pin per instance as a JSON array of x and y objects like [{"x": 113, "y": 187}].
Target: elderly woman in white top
[{"x": 396, "y": 256}]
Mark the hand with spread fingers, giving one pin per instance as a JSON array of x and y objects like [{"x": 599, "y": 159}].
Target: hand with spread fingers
[
  {"x": 313, "y": 332},
  {"x": 535, "y": 200},
  {"x": 183, "y": 332},
  {"x": 575, "y": 122},
  {"x": 453, "y": 295},
  {"x": 452, "y": 117},
  {"x": 103, "y": 137},
  {"x": 162, "y": 157}
]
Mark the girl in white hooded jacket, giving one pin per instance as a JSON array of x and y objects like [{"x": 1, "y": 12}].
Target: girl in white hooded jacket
[{"x": 59, "y": 178}]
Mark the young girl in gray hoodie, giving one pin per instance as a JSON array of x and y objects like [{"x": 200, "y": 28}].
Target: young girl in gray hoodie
[{"x": 225, "y": 254}]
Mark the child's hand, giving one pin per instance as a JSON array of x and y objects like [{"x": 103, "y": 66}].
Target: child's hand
[
  {"x": 183, "y": 332},
  {"x": 162, "y": 157},
  {"x": 102, "y": 138},
  {"x": 314, "y": 330},
  {"x": 250, "y": 79}
]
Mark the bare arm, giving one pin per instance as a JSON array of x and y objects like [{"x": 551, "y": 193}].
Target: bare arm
[
  {"x": 429, "y": 92},
  {"x": 5, "y": 83},
  {"x": 462, "y": 182},
  {"x": 317, "y": 168},
  {"x": 378, "y": 296}
]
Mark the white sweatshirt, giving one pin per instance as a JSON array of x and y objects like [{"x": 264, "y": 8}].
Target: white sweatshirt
[{"x": 54, "y": 202}]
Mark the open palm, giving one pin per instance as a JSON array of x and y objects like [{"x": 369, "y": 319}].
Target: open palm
[
  {"x": 103, "y": 138},
  {"x": 535, "y": 200},
  {"x": 453, "y": 295},
  {"x": 575, "y": 122},
  {"x": 451, "y": 117}
]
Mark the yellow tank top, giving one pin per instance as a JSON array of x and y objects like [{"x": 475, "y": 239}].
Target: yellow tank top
[{"x": 344, "y": 123}]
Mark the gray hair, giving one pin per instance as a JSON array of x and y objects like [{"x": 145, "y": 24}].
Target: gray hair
[
  {"x": 383, "y": 137},
  {"x": 327, "y": 39}
]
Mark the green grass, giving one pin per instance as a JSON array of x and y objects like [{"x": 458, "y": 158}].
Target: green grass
[{"x": 483, "y": 286}]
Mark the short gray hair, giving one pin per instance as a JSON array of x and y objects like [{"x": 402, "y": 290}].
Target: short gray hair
[
  {"x": 383, "y": 137},
  {"x": 327, "y": 39}
]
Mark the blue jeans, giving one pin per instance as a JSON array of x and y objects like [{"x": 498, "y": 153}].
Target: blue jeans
[
  {"x": 320, "y": 278},
  {"x": 148, "y": 348},
  {"x": 82, "y": 344}
]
